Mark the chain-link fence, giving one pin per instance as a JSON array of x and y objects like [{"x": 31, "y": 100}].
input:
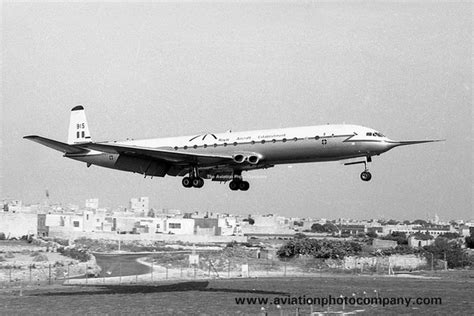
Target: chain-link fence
[{"x": 139, "y": 268}]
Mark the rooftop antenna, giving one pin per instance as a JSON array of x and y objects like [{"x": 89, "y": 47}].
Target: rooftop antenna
[{"x": 47, "y": 197}]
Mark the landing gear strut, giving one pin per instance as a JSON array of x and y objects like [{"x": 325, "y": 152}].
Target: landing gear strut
[
  {"x": 193, "y": 180},
  {"x": 366, "y": 175},
  {"x": 237, "y": 183}
]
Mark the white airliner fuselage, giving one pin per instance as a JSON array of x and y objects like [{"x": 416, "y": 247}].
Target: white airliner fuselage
[{"x": 223, "y": 156}]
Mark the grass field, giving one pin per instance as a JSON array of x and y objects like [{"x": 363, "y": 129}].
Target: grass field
[{"x": 215, "y": 297}]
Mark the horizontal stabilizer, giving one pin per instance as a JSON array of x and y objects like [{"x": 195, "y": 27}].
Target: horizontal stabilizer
[{"x": 54, "y": 144}]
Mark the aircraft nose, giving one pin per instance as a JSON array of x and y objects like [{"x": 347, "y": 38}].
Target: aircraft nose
[{"x": 392, "y": 144}]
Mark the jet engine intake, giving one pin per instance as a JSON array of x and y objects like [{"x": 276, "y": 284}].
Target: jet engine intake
[
  {"x": 239, "y": 158},
  {"x": 253, "y": 159}
]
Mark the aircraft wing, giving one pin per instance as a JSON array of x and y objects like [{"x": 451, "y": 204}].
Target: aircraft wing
[
  {"x": 163, "y": 154},
  {"x": 54, "y": 144}
]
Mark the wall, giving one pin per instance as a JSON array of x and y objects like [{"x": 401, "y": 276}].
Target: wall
[
  {"x": 61, "y": 232},
  {"x": 18, "y": 224},
  {"x": 404, "y": 262}
]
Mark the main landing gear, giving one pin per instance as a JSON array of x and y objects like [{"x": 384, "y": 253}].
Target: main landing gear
[
  {"x": 237, "y": 183},
  {"x": 193, "y": 180}
]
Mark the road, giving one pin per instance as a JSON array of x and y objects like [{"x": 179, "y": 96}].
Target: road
[{"x": 120, "y": 264}]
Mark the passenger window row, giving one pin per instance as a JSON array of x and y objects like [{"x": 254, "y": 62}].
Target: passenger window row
[{"x": 253, "y": 142}]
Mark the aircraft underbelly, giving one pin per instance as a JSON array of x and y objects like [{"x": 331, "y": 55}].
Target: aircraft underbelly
[
  {"x": 311, "y": 151},
  {"x": 126, "y": 163}
]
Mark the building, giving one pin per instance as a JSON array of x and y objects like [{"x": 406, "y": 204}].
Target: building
[
  {"x": 179, "y": 226},
  {"x": 207, "y": 226},
  {"x": 12, "y": 206},
  {"x": 18, "y": 224},
  {"x": 353, "y": 230},
  {"x": 92, "y": 204},
  {"x": 416, "y": 242},
  {"x": 383, "y": 244},
  {"x": 140, "y": 206},
  {"x": 43, "y": 230}
]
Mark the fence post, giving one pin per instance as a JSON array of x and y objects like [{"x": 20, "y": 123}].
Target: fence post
[
  {"x": 30, "y": 275},
  {"x": 266, "y": 265},
  {"x": 152, "y": 270},
  {"x": 86, "y": 274}
]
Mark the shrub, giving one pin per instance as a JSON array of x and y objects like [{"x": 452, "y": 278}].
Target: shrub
[
  {"x": 2, "y": 236},
  {"x": 81, "y": 255},
  {"x": 9, "y": 255},
  {"x": 399, "y": 237},
  {"x": 372, "y": 234},
  {"x": 40, "y": 258},
  {"x": 325, "y": 249}
]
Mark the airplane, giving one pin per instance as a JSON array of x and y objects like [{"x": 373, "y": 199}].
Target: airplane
[{"x": 224, "y": 156}]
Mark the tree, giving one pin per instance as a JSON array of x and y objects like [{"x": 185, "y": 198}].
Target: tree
[
  {"x": 470, "y": 240},
  {"x": 423, "y": 236},
  {"x": 399, "y": 237},
  {"x": 372, "y": 234},
  {"x": 250, "y": 220},
  {"x": 324, "y": 249},
  {"x": 450, "y": 235},
  {"x": 330, "y": 227},
  {"x": 443, "y": 248},
  {"x": 299, "y": 236},
  {"x": 318, "y": 228},
  {"x": 420, "y": 222}
]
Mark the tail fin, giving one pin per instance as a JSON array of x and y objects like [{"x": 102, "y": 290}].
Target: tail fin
[{"x": 78, "y": 128}]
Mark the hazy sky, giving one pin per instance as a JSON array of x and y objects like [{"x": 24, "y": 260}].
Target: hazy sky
[{"x": 146, "y": 70}]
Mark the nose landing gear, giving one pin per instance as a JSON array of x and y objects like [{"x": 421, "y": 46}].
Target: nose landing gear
[{"x": 365, "y": 175}]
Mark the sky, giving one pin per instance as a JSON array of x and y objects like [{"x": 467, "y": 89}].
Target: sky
[{"x": 158, "y": 69}]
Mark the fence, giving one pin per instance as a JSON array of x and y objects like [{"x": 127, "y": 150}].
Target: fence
[{"x": 148, "y": 269}]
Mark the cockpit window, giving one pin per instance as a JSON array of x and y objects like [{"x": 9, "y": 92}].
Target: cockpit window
[{"x": 376, "y": 134}]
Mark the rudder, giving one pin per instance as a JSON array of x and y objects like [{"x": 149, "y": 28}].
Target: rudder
[{"x": 78, "y": 128}]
